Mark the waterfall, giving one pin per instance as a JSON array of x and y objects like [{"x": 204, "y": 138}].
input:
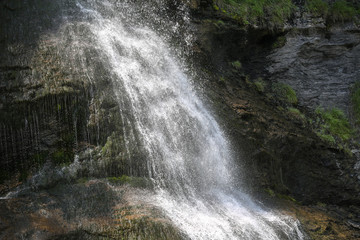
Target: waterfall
[{"x": 188, "y": 156}]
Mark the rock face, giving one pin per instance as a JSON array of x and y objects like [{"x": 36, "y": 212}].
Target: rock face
[
  {"x": 51, "y": 114},
  {"x": 282, "y": 151},
  {"x": 49, "y": 110},
  {"x": 88, "y": 209},
  {"x": 320, "y": 64}
]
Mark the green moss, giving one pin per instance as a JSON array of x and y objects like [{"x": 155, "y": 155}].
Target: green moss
[
  {"x": 237, "y": 65},
  {"x": 342, "y": 11},
  {"x": 222, "y": 80},
  {"x": 270, "y": 192},
  {"x": 133, "y": 181},
  {"x": 286, "y": 93},
  {"x": 286, "y": 197},
  {"x": 257, "y": 11},
  {"x": 82, "y": 180},
  {"x": 296, "y": 113},
  {"x": 317, "y": 7},
  {"x": 326, "y": 137},
  {"x": 62, "y": 157},
  {"x": 337, "y": 11},
  {"x": 38, "y": 159},
  {"x": 335, "y": 123},
  {"x": 259, "y": 85},
  {"x": 219, "y": 23},
  {"x": 280, "y": 42}
]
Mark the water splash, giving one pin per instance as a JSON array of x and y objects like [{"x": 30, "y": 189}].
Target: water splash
[{"x": 188, "y": 156}]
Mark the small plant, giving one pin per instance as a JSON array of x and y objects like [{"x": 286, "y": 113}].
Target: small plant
[
  {"x": 342, "y": 11},
  {"x": 280, "y": 42},
  {"x": 326, "y": 137},
  {"x": 270, "y": 192},
  {"x": 133, "y": 181},
  {"x": 237, "y": 65},
  {"x": 335, "y": 123},
  {"x": 296, "y": 113},
  {"x": 123, "y": 179},
  {"x": 317, "y": 7},
  {"x": 286, "y": 93},
  {"x": 62, "y": 158},
  {"x": 266, "y": 12},
  {"x": 260, "y": 85},
  {"x": 222, "y": 80}
]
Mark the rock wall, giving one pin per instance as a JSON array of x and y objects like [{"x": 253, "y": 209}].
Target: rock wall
[
  {"x": 320, "y": 63},
  {"x": 282, "y": 150},
  {"x": 50, "y": 110}
]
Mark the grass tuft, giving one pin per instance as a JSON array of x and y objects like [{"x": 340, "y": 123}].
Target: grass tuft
[
  {"x": 334, "y": 123},
  {"x": 317, "y": 7},
  {"x": 263, "y": 12},
  {"x": 286, "y": 93}
]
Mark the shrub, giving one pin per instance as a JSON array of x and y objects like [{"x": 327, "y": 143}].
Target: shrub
[
  {"x": 342, "y": 11},
  {"x": 259, "y": 85},
  {"x": 296, "y": 113},
  {"x": 326, "y": 137},
  {"x": 280, "y": 42},
  {"x": 237, "y": 65},
  {"x": 257, "y": 11},
  {"x": 317, "y": 7},
  {"x": 286, "y": 93},
  {"x": 335, "y": 123}
]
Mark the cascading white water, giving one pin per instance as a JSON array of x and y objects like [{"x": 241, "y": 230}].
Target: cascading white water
[{"x": 189, "y": 158}]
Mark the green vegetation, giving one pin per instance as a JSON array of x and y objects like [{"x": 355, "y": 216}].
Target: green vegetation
[
  {"x": 272, "y": 193},
  {"x": 133, "y": 181},
  {"x": 259, "y": 85},
  {"x": 317, "y": 7},
  {"x": 264, "y": 12},
  {"x": 237, "y": 65},
  {"x": 280, "y": 42},
  {"x": 296, "y": 113},
  {"x": 342, "y": 11},
  {"x": 334, "y": 123},
  {"x": 356, "y": 101},
  {"x": 286, "y": 93},
  {"x": 338, "y": 11},
  {"x": 62, "y": 157},
  {"x": 38, "y": 159},
  {"x": 222, "y": 80},
  {"x": 326, "y": 137}
]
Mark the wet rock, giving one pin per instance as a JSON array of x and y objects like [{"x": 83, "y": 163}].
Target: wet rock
[
  {"x": 92, "y": 209},
  {"x": 320, "y": 64}
]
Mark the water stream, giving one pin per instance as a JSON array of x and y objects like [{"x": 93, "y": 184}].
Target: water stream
[{"x": 188, "y": 156}]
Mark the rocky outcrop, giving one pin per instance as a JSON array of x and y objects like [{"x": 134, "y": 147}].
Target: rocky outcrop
[
  {"x": 87, "y": 209},
  {"x": 320, "y": 63},
  {"x": 280, "y": 149},
  {"x": 51, "y": 111}
]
